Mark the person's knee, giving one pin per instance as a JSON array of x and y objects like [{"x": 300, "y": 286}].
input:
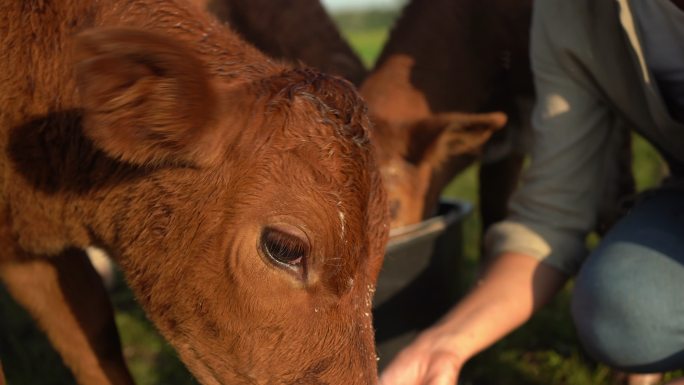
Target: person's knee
[
  {"x": 623, "y": 310},
  {"x": 599, "y": 312}
]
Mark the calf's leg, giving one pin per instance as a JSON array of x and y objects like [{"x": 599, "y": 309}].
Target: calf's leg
[{"x": 66, "y": 297}]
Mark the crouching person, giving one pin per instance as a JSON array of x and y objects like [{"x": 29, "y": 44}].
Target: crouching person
[{"x": 600, "y": 67}]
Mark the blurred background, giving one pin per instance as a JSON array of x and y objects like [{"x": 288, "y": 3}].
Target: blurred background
[
  {"x": 545, "y": 351},
  {"x": 336, "y": 6}
]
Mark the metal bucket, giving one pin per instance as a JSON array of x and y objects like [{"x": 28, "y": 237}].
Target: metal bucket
[{"x": 418, "y": 281}]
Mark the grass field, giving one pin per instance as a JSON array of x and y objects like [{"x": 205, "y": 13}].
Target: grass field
[{"x": 545, "y": 351}]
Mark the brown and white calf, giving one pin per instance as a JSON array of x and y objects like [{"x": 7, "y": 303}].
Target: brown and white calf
[
  {"x": 239, "y": 196},
  {"x": 444, "y": 57}
]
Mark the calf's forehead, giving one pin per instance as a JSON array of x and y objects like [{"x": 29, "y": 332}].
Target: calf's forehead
[
  {"x": 324, "y": 189},
  {"x": 332, "y": 101},
  {"x": 314, "y": 131}
]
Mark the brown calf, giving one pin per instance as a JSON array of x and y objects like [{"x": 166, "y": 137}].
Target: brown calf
[{"x": 240, "y": 197}]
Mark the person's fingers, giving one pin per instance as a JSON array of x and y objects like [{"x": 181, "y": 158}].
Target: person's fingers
[
  {"x": 404, "y": 369},
  {"x": 434, "y": 376},
  {"x": 441, "y": 379},
  {"x": 398, "y": 374},
  {"x": 434, "y": 369},
  {"x": 441, "y": 371}
]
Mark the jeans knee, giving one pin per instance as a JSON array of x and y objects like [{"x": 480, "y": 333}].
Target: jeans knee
[
  {"x": 621, "y": 320},
  {"x": 598, "y": 324}
]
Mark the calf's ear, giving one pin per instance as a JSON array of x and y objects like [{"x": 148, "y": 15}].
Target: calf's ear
[
  {"x": 147, "y": 99},
  {"x": 445, "y": 136}
]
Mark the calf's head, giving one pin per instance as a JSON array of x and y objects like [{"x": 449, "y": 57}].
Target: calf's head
[
  {"x": 421, "y": 143},
  {"x": 254, "y": 236},
  {"x": 419, "y": 157}
]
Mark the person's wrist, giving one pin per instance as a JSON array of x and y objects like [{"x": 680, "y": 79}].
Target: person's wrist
[{"x": 445, "y": 342}]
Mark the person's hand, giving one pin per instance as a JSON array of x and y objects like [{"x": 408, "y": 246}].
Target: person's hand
[
  {"x": 430, "y": 360},
  {"x": 513, "y": 287}
]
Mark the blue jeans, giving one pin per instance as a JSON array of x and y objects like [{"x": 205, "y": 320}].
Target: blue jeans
[{"x": 628, "y": 301}]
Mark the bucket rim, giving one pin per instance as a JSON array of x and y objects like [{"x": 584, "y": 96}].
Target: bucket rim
[{"x": 457, "y": 211}]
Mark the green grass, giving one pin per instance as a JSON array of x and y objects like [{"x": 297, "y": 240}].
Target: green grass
[
  {"x": 649, "y": 168},
  {"x": 366, "y": 43},
  {"x": 151, "y": 360},
  {"x": 25, "y": 351},
  {"x": 366, "y": 31},
  {"x": 28, "y": 358},
  {"x": 544, "y": 351}
]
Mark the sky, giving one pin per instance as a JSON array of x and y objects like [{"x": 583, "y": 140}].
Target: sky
[{"x": 335, "y": 5}]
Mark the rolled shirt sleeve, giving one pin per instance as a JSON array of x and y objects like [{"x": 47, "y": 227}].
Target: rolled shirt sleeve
[{"x": 575, "y": 142}]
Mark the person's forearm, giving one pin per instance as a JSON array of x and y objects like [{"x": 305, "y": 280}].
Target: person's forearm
[{"x": 510, "y": 291}]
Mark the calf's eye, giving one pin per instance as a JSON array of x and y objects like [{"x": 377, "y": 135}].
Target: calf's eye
[{"x": 286, "y": 247}]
